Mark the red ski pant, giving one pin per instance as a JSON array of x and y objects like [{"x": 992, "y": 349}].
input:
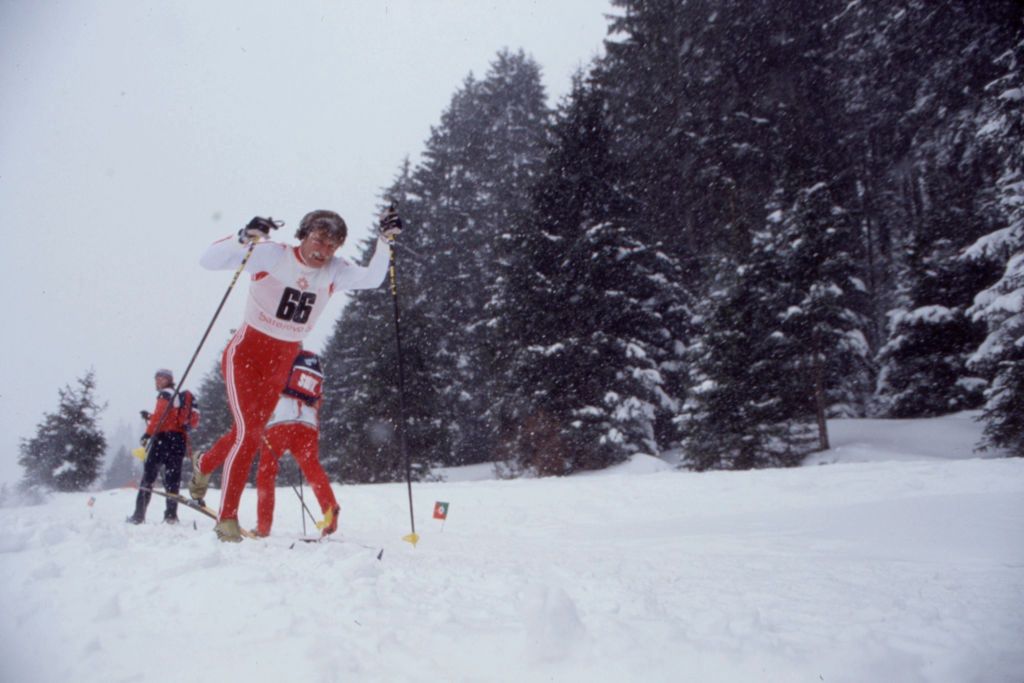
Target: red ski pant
[
  {"x": 302, "y": 441},
  {"x": 255, "y": 368}
]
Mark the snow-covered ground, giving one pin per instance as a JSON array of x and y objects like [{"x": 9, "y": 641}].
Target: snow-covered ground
[{"x": 903, "y": 561}]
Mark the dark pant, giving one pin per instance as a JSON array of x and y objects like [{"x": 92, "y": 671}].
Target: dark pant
[{"x": 167, "y": 450}]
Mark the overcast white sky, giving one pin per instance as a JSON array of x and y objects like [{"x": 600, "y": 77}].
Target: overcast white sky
[{"x": 134, "y": 133}]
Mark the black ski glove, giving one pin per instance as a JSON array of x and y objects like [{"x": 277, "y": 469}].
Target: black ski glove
[
  {"x": 145, "y": 415},
  {"x": 144, "y": 441},
  {"x": 390, "y": 223},
  {"x": 257, "y": 229}
]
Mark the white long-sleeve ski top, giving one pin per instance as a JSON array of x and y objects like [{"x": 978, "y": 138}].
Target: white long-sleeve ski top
[
  {"x": 290, "y": 410},
  {"x": 287, "y": 296}
]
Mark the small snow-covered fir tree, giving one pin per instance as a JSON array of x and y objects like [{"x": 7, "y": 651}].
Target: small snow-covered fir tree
[{"x": 67, "y": 450}]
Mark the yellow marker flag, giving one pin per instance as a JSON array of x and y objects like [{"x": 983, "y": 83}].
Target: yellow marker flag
[
  {"x": 139, "y": 453},
  {"x": 412, "y": 538}
]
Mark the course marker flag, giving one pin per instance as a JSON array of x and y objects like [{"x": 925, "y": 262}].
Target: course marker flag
[{"x": 440, "y": 510}]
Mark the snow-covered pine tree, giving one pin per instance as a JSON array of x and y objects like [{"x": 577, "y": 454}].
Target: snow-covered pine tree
[
  {"x": 825, "y": 299},
  {"x": 717, "y": 105},
  {"x": 923, "y": 365},
  {"x": 588, "y": 313},
  {"x": 750, "y": 405},
  {"x": 460, "y": 257},
  {"x": 945, "y": 174},
  {"x": 1001, "y": 306},
  {"x": 610, "y": 288},
  {"x": 67, "y": 450},
  {"x": 517, "y": 128},
  {"x": 573, "y": 187},
  {"x": 714, "y": 106},
  {"x": 500, "y": 164},
  {"x": 460, "y": 206}
]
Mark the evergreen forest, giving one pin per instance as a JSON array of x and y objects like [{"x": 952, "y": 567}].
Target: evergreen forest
[{"x": 746, "y": 217}]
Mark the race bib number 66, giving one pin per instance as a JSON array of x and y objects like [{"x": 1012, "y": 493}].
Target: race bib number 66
[{"x": 295, "y": 305}]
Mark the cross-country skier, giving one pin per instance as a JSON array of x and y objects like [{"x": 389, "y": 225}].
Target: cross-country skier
[
  {"x": 295, "y": 428},
  {"x": 289, "y": 290},
  {"x": 167, "y": 426}
]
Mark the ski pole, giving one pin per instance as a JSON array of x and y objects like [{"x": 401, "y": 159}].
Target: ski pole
[
  {"x": 412, "y": 537},
  {"x": 302, "y": 501}
]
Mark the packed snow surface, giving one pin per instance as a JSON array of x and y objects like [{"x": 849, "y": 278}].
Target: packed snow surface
[{"x": 900, "y": 560}]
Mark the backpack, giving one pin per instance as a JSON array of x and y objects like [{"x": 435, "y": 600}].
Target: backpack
[
  {"x": 188, "y": 410},
  {"x": 306, "y": 380}
]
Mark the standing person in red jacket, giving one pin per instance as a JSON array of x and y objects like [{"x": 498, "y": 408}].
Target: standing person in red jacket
[
  {"x": 295, "y": 428},
  {"x": 167, "y": 427},
  {"x": 290, "y": 288}
]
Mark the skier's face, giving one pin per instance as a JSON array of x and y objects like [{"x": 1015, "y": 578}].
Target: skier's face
[
  {"x": 318, "y": 249},
  {"x": 161, "y": 382}
]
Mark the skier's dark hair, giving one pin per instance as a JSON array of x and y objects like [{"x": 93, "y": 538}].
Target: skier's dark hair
[{"x": 321, "y": 219}]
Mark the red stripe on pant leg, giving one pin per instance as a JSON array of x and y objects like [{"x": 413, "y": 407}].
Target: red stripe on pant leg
[{"x": 238, "y": 415}]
